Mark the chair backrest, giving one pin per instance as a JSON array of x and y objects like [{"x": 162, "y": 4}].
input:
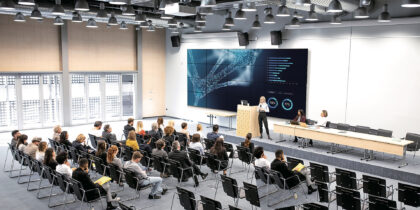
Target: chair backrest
[
  {"x": 74, "y": 154},
  {"x": 409, "y": 195},
  {"x": 343, "y": 126},
  {"x": 52, "y": 143},
  {"x": 146, "y": 158},
  {"x": 212, "y": 162},
  {"x": 93, "y": 141},
  {"x": 114, "y": 173},
  {"x": 130, "y": 178},
  {"x": 314, "y": 206},
  {"x": 278, "y": 179},
  {"x": 157, "y": 163},
  {"x": 99, "y": 165},
  {"x": 348, "y": 199},
  {"x": 381, "y": 203},
  {"x": 49, "y": 173},
  {"x": 77, "y": 189},
  {"x": 374, "y": 186},
  {"x": 385, "y": 133},
  {"x": 61, "y": 181},
  {"x": 125, "y": 207},
  {"x": 38, "y": 167},
  {"x": 251, "y": 194},
  {"x": 230, "y": 186},
  {"x": 244, "y": 155},
  {"x": 195, "y": 156},
  {"x": 362, "y": 129},
  {"x": 416, "y": 141},
  {"x": 322, "y": 192},
  {"x": 293, "y": 162},
  {"x": 319, "y": 172},
  {"x": 210, "y": 204},
  {"x": 346, "y": 179},
  {"x": 175, "y": 168},
  {"x": 332, "y": 125},
  {"x": 186, "y": 198},
  {"x": 352, "y": 128},
  {"x": 310, "y": 122},
  {"x": 209, "y": 143},
  {"x": 373, "y": 131},
  {"x": 233, "y": 208},
  {"x": 228, "y": 147},
  {"x": 128, "y": 153},
  {"x": 182, "y": 139}
]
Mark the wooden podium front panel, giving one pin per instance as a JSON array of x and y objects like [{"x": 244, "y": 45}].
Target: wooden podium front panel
[{"x": 247, "y": 121}]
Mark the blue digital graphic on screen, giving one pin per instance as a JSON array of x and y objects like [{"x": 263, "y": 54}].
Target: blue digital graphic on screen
[{"x": 221, "y": 78}]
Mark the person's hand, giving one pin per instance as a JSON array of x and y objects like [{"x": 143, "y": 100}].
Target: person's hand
[
  {"x": 265, "y": 157},
  {"x": 67, "y": 163}
]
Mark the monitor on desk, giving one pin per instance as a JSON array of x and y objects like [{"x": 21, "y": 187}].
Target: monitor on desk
[{"x": 244, "y": 102}]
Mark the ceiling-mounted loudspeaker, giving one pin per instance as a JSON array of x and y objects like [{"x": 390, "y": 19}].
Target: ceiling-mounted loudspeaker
[
  {"x": 243, "y": 39},
  {"x": 276, "y": 37},
  {"x": 176, "y": 41}
]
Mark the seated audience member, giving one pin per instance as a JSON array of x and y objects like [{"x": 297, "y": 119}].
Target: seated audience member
[
  {"x": 32, "y": 147},
  {"x": 40, "y": 153},
  {"x": 101, "y": 151},
  {"x": 129, "y": 127},
  {"x": 15, "y": 135},
  {"x": 260, "y": 158},
  {"x": 184, "y": 131},
  {"x": 172, "y": 124},
  {"x": 214, "y": 134},
  {"x": 160, "y": 125},
  {"x": 159, "y": 150},
  {"x": 146, "y": 147},
  {"x": 300, "y": 117},
  {"x": 96, "y": 130},
  {"x": 64, "y": 138},
  {"x": 154, "y": 133},
  {"x": 200, "y": 131},
  {"x": 57, "y": 132},
  {"x": 22, "y": 142},
  {"x": 323, "y": 120},
  {"x": 80, "y": 144},
  {"x": 219, "y": 150},
  {"x": 140, "y": 129},
  {"x": 248, "y": 144},
  {"x": 184, "y": 160},
  {"x": 81, "y": 175},
  {"x": 156, "y": 182},
  {"x": 169, "y": 134},
  {"x": 132, "y": 141},
  {"x": 63, "y": 166},
  {"x": 108, "y": 136},
  {"x": 111, "y": 157},
  {"x": 49, "y": 158},
  {"x": 196, "y": 144},
  {"x": 279, "y": 164}
]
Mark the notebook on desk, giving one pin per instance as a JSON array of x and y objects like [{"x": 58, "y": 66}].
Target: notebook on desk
[{"x": 294, "y": 122}]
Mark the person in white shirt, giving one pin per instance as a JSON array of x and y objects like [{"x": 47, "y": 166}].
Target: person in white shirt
[
  {"x": 262, "y": 116},
  {"x": 63, "y": 166},
  {"x": 261, "y": 160},
  {"x": 96, "y": 130},
  {"x": 200, "y": 131},
  {"x": 40, "y": 153},
  {"x": 196, "y": 144},
  {"x": 323, "y": 120}
]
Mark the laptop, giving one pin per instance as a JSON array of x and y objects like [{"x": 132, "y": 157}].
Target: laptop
[
  {"x": 294, "y": 122},
  {"x": 244, "y": 102}
]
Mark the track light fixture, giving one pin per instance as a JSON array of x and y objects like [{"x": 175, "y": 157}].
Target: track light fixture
[
  {"x": 58, "y": 21},
  {"x": 26, "y": 2},
  {"x": 361, "y": 13},
  {"x": 240, "y": 14},
  {"x": 77, "y": 18},
  {"x": 334, "y": 7},
  {"x": 102, "y": 12},
  {"x": 91, "y": 23},
  {"x": 36, "y": 14},
  {"x": 118, "y": 2},
  {"x": 7, "y": 5},
  {"x": 58, "y": 9},
  {"x": 112, "y": 21},
  {"x": 123, "y": 25},
  {"x": 410, "y": 3},
  {"x": 249, "y": 6},
  {"x": 19, "y": 17},
  {"x": 81, "y": 5},
  {"x": 312, "y": 16},
  {"x": 256, "y": 24},
  {"x": 229, "y": 20},
  {"x": 269, "y": 18},
  {"x": 295, "y": 22},
  {"x": 384, "y": 17}
]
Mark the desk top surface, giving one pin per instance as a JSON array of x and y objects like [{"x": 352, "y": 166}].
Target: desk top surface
[{"x": 395, "y": 141}]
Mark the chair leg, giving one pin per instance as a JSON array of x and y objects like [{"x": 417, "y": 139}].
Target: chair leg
[{"x": 5, "y": 161}]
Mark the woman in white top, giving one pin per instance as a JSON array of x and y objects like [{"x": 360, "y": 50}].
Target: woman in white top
[
  {"x": 57, "y": 132},
  {"x": 262, "y": 116},
  {"x": 22, "y": 142},
  {"x": 40, "y": 153},
  {"x": 261, "y": 160},
  {"x": 323, "y": 120},
  {"x": 63, "y": 166},
  {"x": 196, "y": 144}
]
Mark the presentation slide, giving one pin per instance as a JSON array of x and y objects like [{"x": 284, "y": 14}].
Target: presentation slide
[{"x": 221, "y": 78}]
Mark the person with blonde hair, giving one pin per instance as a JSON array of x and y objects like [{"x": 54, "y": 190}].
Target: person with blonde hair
[
  {"x": 40, "y": 153},
  {"x": 139, "y": 129},
  {"x": 323, "y": 120},
  {"x": 132, "y": 141},
  {"x": 172, "y": 124},
  {"x": 80, "y": 144},
  {"x": 57, "y": 132},
  {"x": 263, "y": 109}
]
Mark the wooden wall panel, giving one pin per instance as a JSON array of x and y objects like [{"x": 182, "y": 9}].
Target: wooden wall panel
[
  {"x": 101, "y": 49},
  {"x": 31, "y": 46},
  {"x": 153, "y": 70}
]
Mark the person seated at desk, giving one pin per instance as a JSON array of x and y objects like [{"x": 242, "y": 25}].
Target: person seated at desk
[
  {"x": 96, "y": 130},
  {"x": 132, "y": 141},
  {"x": 81, "y": 175},
  {"x": 64, "y": 138},
  {"x": 184, "y": 160},
  {"x": 279, "y": 164},
  {"x": 300, "y": 117},
  {"x": 248, "y": 144},
  {"x": 219, "y": 150},
  {"x": 214, "y": 134},
  {"x": 323, "y": 120},
  {"x": 260, "y": 158}
]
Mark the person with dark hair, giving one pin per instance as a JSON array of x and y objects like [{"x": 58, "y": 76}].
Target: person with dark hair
[
  {"x": 184, "y": 131},
  {"x": 96, "y": 130},
  {"x": 160, "y": 125},
  {"x": 108, "y": 135},
  {"x": 156, "y": 182},
  {"x": 129, "y": 127},
  {"x": 81, "y": 175},
  {"x": 22, "y": 142},
  {"x": 32, "y": 147},
  {"x": 300, "y": 117},
  {"x": 196, "y": 144},
  {"x": 169, "y": 134},
  {"x": 214, "y": 134},
  {"x": 248, "y": 144},
  {"x": 101, "y": 151},
  {"x": 184, "y": 160},
  {"x": 159, "y": 150},
  {"x": 49, "y": 158},
  {"x": 15, "y": 136},
  {"x": 63, "y": 166},
  {"x": 219, "y": 150},
  {"x": 260, "y": 158},
  {"x": 64, "y": 138},
  {"x": 279, "y": 164}
]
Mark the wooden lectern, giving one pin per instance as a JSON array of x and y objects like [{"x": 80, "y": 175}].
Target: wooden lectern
[{"x": 247, "y": 121}]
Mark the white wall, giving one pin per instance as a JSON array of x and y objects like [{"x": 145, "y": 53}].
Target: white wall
[{"x": 361, "y": 75}]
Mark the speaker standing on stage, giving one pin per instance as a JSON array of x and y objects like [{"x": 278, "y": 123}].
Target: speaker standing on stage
[{"x": 262, "y": 116}]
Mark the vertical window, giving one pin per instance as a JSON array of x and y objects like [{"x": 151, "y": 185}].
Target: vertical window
[
  {"x": 8, "y": 113},
  {"x": 127, "y": 93},
  {"x": 78, "y": 101},
  {"x": 94, "y": 97},
  {"x": 52, "y": 99},
  {"x": 31, "y": 101},
  {"x": 112, "y": 93}
]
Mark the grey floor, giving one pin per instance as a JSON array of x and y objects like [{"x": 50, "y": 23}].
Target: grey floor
[{"x": 15, "y": 196}]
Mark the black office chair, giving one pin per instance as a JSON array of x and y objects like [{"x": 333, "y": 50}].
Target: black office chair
[
  {"x": 178, "y": 172},
  {"x": 100, "y": 168},
  {"x": 362, "y": 129},
  {"x": 245, "y": 157},
  {"x": 349, "y": 199},
  {"x": 331, "y": 125},
  {"x": 186, "y": 199},
  {"x": 409, "y": 195},
  {"x": 65, "y": 187},
  {"x": 325, "y": 195},
  {"x": 128, "y": 153},
  {"x": 160, "y": 164},
  {"x": 234, "y": 208},
  {"x": 343, "y": 126},
  {"x": 377, "y": 203},
  {"x": 385, "y": 133},
  {"x": 251, "y": 194},
  {"x": 291, "y": 184},
  {"x": 413, "y": 147},
  {"x": 293, "y": 162},
  {"x": 134, "y": 183},
  {"x": 347, "y": 179},
  {"x": 376, "y": 187},
  {"x": 314, "y": 206},
  {"x": 321, "y": 173},
  {"x": 82, "y": 194},
  {"x": 230, "y": 187},
  {"x": 196, "y": 157},
  {"x": 210, "y": 204},
  {"x": 116, "y": 175},
  {"x": 93, "y": 141},
  {"x": 209, "y": 143}
]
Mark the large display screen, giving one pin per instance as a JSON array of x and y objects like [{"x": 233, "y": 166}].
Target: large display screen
[{"x": 221, "y": 78}]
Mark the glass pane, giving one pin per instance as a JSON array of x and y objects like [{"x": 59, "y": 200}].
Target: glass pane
[
  {"x": 94, "y": 97},
  {"x": 127, "y": 95},
  {"x": 8, "y": 113},
  {"x": 52, "y": 99},
  {"x": 78, "y": 103},
  {"x": 113, "y": 101},
  {"x": 30, "y": 101}
]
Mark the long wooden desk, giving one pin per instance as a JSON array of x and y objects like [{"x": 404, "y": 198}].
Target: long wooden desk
[
  {"x": 357, "y": 140},
  {"x": 213, "y": 114}
]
